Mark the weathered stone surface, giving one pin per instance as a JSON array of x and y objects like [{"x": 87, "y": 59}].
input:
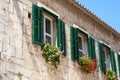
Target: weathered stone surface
[
  {"x": 18, "y": 54},
  {"x": 5, "y": 43},
  {"x": 10, "y": 23},
  {"x": 11, "y": 9},
  {"x": 0, "y": 47},
  {"x": 1, "y": 27}
]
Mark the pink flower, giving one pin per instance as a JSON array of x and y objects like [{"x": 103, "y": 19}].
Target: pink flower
[
  {"x": 62, "y": 51},
  {"x": 56, "y": 62},
  {"x": 49, "y": 59}
]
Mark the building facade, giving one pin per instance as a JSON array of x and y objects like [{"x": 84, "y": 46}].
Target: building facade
[{"x": 26, "y": 25}]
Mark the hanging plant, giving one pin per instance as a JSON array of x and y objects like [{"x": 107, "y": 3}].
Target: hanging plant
[
  {"x": 87, "y": 64},
  {"x": 110, "y": 75},
  {"x": 52, "y": 55}
]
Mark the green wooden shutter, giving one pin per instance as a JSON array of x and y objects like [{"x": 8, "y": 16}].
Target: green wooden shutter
[
  {"x": 101, "y": 57},
  {"x": 113, "y": 62},
  {"x": 61, "y": 38},
  {"x": 91, "y": 48},
  {"x": 118, "y": 58},
  {"x": 74, "y": 43},
  {"x": 37, "y": 25}
]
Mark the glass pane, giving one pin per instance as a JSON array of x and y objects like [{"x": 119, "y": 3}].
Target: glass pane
[
  {"x": 80, "y": 43},
  {"x": 48, "y": 39},
  {"x": 48, "y": 26}
]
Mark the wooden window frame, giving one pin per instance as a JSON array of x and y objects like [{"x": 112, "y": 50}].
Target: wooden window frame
[
  {"x": 46, "y": 34},
  {"x": 81, "y": 50}
]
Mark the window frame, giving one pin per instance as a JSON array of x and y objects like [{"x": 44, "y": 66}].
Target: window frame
[
  {"x": 107, "y": 56},
  {"x": 81, "y": 50},
  {"x": 45, "y": 33}
]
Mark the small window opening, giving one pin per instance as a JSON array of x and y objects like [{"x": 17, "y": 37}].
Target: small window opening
[{"x": 29, "y": 15}]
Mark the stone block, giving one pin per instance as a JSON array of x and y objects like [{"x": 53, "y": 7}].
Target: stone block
[
  {"x": 3, "y": 19},
  {"x": 24, "y": 78},
  {"x": 18, "y": 43},
  {"x": 12, "y": 35},
  {"x": 7, "y": 1},
  {"x": 18, "y": 8},
  {"x": 27, "y": 29},
  {"x": 16, "y": 68},
  {"x": 11, "y": 9},
  {"x": 18, "y": 31},
  {"x": 12, "y": 50},
  {"x": 27, "y": 2},
  {"x": 18, "y": 61},
  {"x": 12, "y": 40},
  {"x": 28, "y": 22},
  {"x": 4, "y": 6},
  {"x": 25, "y": 14},
  {"x": 11, "y": 2},
  {"x": 19, "y": 36},
  {"x": 18, "y": 26},
  {"x": 1, "y": 27},
  {"x": 2, "y": 67},
  {"x": 9, "y": 50},
  {"x": 19, "y": 52},
  {"x": 5, "y": 43},
  {"x": 9, "y": 31},
  {"x": 10, "y": 23},
  {"x": 0, "y": 47},
  {"x": 26, "y": 38},
  {"x": 16, "y": 19}
]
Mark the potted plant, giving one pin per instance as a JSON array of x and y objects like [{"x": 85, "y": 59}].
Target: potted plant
[
  {"x": 110, "y": 75},
  {"x": 87, "y": 64},
  {"x": 52, "y": 55}
]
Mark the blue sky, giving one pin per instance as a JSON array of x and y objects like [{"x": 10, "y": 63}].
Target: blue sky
[{"x": 107, "y": 10}]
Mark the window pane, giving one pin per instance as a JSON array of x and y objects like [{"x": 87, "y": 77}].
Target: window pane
[
  {"x": 48, "y": 26},
  {"x": 80, "y": 42},
  {"x": 107, "y": 57},
  {"x": 48, "y": 39}
]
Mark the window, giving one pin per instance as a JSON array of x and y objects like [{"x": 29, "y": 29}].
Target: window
[
  {"x": 81, "y": 44},
  {"x": 47, "y": 27},
  {"x": 48, "y": 30},
  {"x": 107, "y": 58}
]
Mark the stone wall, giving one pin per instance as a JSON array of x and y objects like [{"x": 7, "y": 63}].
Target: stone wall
[{"x": 22, "y": 60}]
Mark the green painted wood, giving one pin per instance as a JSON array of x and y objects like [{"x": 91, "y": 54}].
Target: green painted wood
[
  {"x": 113, "y": 62},
  {"x": 61, "y": 38},
  {"x": 74, "y": 43},
  {"x": 101, "y": 57},
  {"x": 37, "y": 25}
]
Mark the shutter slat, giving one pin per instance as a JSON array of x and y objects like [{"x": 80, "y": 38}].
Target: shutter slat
[
  {"x": 74, "y": 43},
  {"x": 101, "y": 58},
  {"x": 113, "y": 62},
  {"x": 91, "y": 48},
  {"x": 37, "y": 25},
  {"x": 41, "y": 27},
  {"x": 77, "y": 55},
  {"x": 61, "y": 38}
]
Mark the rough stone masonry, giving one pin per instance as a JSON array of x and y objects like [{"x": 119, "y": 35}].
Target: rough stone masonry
[{"x": 22, "y": 60}]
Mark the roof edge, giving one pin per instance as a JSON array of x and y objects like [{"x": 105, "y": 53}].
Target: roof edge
[{"x": 92, "y": 15}]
